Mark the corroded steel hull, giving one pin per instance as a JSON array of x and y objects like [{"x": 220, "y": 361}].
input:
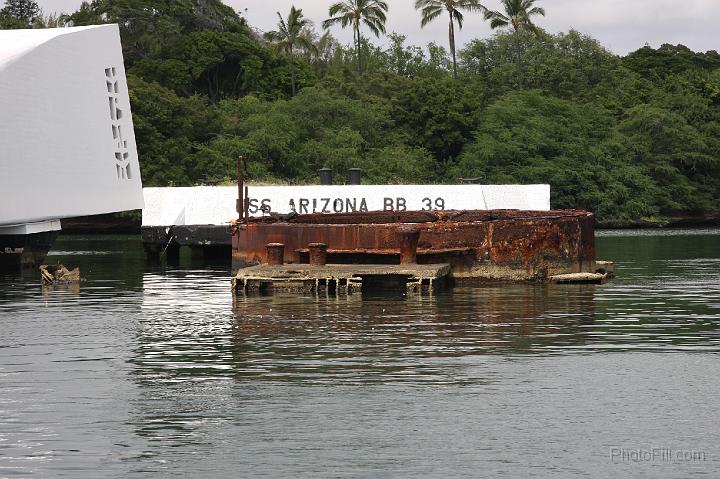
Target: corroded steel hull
[{"x": 496, "y": 244}]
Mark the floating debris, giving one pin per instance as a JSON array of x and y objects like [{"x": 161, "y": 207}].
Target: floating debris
[{"x": 59, "y": 274}]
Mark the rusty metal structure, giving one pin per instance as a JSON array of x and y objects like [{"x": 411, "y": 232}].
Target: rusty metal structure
[
  {"x": 275, "y": 253},
  {"x": 485, "y": 245},
  {"x": 318, "y": 254}
]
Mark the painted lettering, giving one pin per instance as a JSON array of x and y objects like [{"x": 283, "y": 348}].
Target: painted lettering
[
  {"x": 350, "y": 204},
  {"x": 338, "y": 205},
  {"x": 401, "y": 204},
  {"x": 303, "y": 203},
  {"x": 265, "y": 205},
  {"x": 429, "y": 204},
  {"x": 388, "y": 204},
  {"x": 363, "y": 205},
  {"x": 326, "y": 202}
]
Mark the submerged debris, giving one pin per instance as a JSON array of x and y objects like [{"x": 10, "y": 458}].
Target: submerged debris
[
  {"x": 604, "y": 271},
  {"x": 59, "y": 274},
  {"x": 579, "y": 278}
]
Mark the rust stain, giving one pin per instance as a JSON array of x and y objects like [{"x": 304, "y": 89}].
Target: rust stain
[{"x": 524, "y": 240}]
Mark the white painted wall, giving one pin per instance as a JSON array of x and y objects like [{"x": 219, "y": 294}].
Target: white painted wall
[
  {"x": 209, "y": 205},
  {"x": 61, "y": 154}
]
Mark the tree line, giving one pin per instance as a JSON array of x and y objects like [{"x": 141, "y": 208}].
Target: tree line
[{"x": 631, "y": 138}]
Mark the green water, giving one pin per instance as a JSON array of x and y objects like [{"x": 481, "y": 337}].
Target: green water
[{"x": 156, "y": 372}]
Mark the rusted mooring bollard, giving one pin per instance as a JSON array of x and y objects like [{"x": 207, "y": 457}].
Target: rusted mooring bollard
[
  {"x": 408, "y": 236},
  {"x": 318, "y": 254},
  {"x": 275, "y": 254}
]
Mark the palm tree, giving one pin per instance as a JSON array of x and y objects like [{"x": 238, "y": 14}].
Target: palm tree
[
  {"x": 517, "y": 14},
  {"x": 324, "y": 48},
  {"x": 431, "y": 9},
  {"x": 289, "y": 35},
  {"x": 354, "y": 12}
]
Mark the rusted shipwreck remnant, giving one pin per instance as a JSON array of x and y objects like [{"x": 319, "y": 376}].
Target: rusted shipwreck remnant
[{"x": 505, "y": 245}]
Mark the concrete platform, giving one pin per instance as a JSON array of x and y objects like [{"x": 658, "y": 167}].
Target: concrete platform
[{"x": 341, "y": 278}]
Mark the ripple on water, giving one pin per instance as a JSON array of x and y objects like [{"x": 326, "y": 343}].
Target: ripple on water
[{"x": 145, "y": 370}]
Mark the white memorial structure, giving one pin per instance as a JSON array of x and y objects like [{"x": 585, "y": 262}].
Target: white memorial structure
[
  {"x": 215, "y": 205},
  {"x": 199, "y": 217},
  {"x": 67, "y": 145}
]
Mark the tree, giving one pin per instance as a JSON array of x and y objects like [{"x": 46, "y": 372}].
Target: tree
[
  {"x": 354, "y": 12},
  {"x": 431, "y": 9},
  {"x": 566, "y": 65},
  {"x": 220, "y": 65},
  {"x": 171, "y": 133},
  {"x": 517, "y": 14},
  {"x": 147, "y": 27},
  {"x": 289, "y": 35},
  {"x": 324, "y": 47},
  {"x": 51, "y": 21},
  {"x": 25, "y": 11},
  {"x": 529, "y": 136},
  {"x": 11, "y": 23},
  {"x": 670, "y": 59},
  {"x": 674, "y": 154},
  {"x": 86, "y": 14}
]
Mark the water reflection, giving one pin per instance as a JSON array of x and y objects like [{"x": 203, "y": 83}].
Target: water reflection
[
  {"x": 197, "y": 332},
  {"x": 352, "y": 332},
  {"x": 193, "y": 329}
]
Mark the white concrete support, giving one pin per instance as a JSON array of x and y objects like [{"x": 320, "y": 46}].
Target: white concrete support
[{"x": 208, "y": 205}]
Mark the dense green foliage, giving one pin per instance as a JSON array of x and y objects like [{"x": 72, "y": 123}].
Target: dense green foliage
[
  {"x": 627, "y": 137},
  {"x": 18, "y": 14}
]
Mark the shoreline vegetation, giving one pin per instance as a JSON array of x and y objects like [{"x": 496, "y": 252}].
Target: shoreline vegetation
[{"x": 635, "y": 138}]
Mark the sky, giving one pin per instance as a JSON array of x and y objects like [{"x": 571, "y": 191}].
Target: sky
[{"x": 620, "y": 25}]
